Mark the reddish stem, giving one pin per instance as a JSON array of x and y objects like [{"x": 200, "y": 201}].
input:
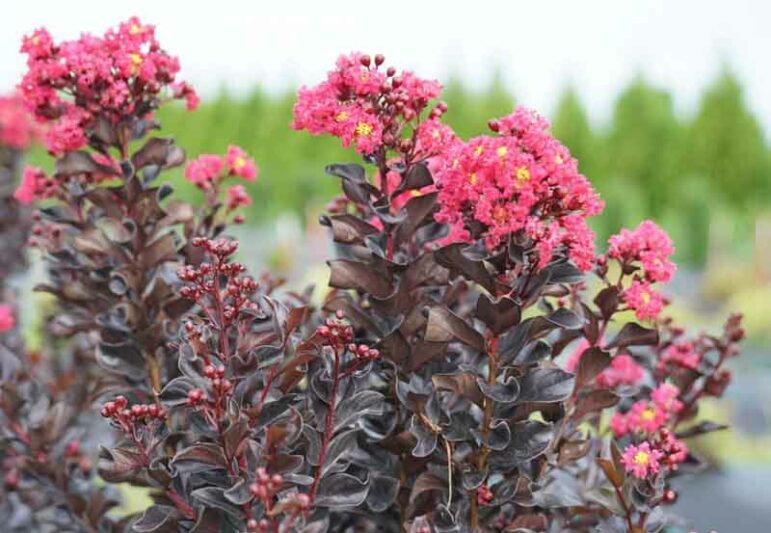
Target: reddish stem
[{"x": 330, "y": 426}]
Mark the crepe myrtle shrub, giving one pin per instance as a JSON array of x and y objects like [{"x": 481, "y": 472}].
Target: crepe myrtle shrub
[
  {"x": 428, "y": 393},
  {"x": 470, "y": 266}
]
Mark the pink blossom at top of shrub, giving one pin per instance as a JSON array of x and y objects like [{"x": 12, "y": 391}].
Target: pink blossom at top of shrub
[
  {"x": 641, "y": 460},
  {"x": 17, "y": 129},
  {"x": 623, "y": 370},
  {"x": 203, "y": 170},
  {"x": 649, "y": 245},
  {"x": 7, "y": 319},
  {"x": 237, "y": 196},
  {"x": 646, "y": 302},
  {"x": 34, "y": 185},
  {"x": 666, "y": 397},
  {"x": 117, "y": 76},
  {"x": 367, "y": 105},
  {"x": 240, "y": 164},
  {"x": 681, "y": 354},
  {"x": 521, "y": 180}
]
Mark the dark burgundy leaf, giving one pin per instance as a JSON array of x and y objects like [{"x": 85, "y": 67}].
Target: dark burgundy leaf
[
  {"x": 505, "y": 392},
  {"x": 499, "y": 316},
  {"x": 595, "y": 401},
  {"x": 154, "y": 518},
  {"x": 592, "y": 362},
  {"x": 445, "y": 326},
  {"x": 633, "y": 334},
  {"x": 607, "y": 301},
  {"x": 347, "y": 274},
  {"x": 341, "y": 490},
  {"x": 545, "y": 385},
  {"x": 452, "y": 257},
  {"x": 700, "y": 429},
  {"x": 565, "y": 318}
]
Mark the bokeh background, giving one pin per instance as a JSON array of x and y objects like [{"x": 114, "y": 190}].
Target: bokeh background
[{"x": 665, "y": 104}]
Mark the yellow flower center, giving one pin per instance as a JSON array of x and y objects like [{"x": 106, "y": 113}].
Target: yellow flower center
[
  {"x": 646, "y": 297},
  {"x": 136, "y": 60},
  {"x": 455, "y": 163},
  {"x": 239, "y": 162},
  {"x": 502, "y": 151},
  {"x": 135, "y": 28},
  {"x": 435, "y": 133},
  {"x": 648, "y": 415},
  {"x": 362, "y": 128},
  {"x": 500, "y": 213},
  {"x": 642, "y": 458},
  {"x": 523, "y": 174},
  {"x": 472, "y": 179},
  {"x": 341, "y": 116},
  {"x": 558, "y": 159},
  {"x": 35, "y": 39},
  {"x": 479, "y": 150}
]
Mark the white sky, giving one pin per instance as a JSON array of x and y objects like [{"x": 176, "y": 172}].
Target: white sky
[{"x": 598, "y": 45}]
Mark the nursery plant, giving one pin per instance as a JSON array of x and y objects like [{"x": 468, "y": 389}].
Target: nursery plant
[{"x": 474, "y": 366}]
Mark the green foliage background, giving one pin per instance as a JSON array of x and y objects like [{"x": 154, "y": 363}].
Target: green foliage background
[{"x": 685, "y": 172}]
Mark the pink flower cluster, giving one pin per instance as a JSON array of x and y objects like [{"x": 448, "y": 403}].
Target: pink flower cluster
[
  {"x": 7, "y": 319},
  {"x": 682, "y": 354},
  {"x": 647, "y": 249},
  {"x": 208, "y": 169},
  {"x": 34, "y": 186},
  {"x": 366, "y": 105},
  {"x": 641, "y": 461},
  {"x": 522, "y": 180},
  {"x": 17, "y": 129},
  {"x": 118, "y": 76},
  {"x": 648, "y": 416},
  {"x": 623, "y": 370},
  {"x": 648, "y": 457}
]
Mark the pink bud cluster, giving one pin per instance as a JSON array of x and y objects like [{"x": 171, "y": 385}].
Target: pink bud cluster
[
  {"x": 128, "y": 418},
  {"x": 220, "y": 387},
  {"x": 336, "y": 332},
  {"x": 521, "y": 181},
  {"x": 205, "y": 281},
  {"x": 367, "y": 105},
  {"x": 17, "y": 129},
  {"x": 645, "y": 252},
  {"x": 117, "y": 77},
  {"x": 363, "y": 352}
]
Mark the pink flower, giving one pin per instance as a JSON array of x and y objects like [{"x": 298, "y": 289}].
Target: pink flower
[
  {"x": 118, "y": 77},
  {"x": 365, "y": 105},
  {"x": 522, "y": 181},
  {"x": 240, "y": 164},
  {"x": 185, "y": 90},
  {"x": 666, "y": 397},
  {"x": 680, "y": 354},
  {"x": 623, "y": 370},
  {"x": 237, "y": 197},
  {"x": 203, "y": 170},
  {"x": 646, "y": 303},
  {"x": 7, "y": 320},
  {"x": 33, "y": 186},
  {"x": 646, "y": 417},
  {"x": 642, "y": 460},
  {"x": 17, "y": 129},
  {"x": 649, "y": 245},
  {"x": 619, "y": 424}
]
